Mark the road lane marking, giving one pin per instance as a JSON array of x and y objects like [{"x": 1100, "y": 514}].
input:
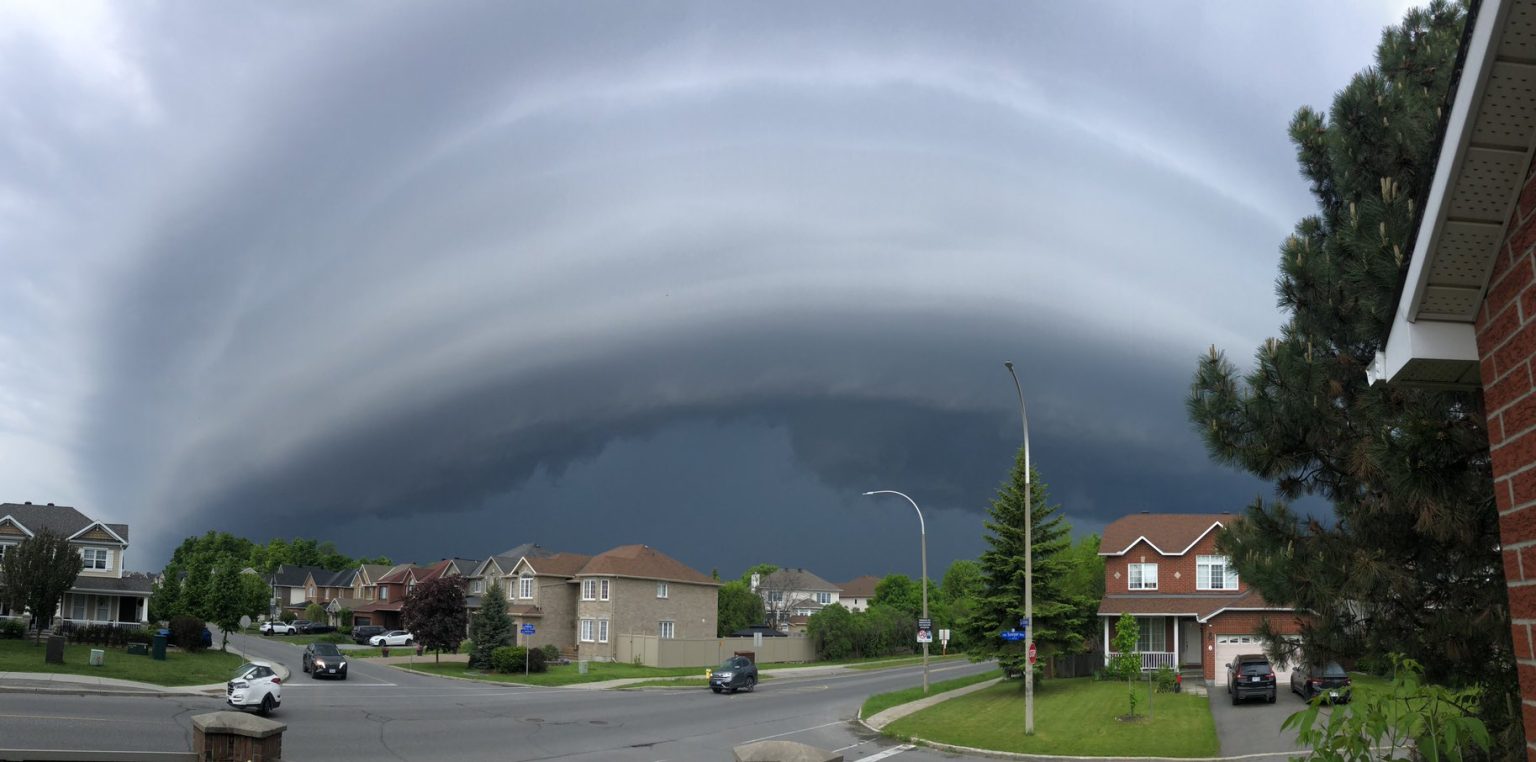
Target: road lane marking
[
  {"x": 65, "y": 718},
  {"x": 792, "y": 732},
  {"x": 891, "y": 752}
]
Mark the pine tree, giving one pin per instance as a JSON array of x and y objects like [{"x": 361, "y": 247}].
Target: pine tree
[
  {"x": 1058, "y": 615},
  {"x": 1410, "y": 562},
  {"x": 490, "y": 628}
]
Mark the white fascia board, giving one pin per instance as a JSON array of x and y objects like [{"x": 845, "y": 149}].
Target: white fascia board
[
  {"x": 16, "y": 524},
  {"x": 103, "y": 528},
  {"x": 1422, "y": 340},
  {"x": 1453, "y": 150}
]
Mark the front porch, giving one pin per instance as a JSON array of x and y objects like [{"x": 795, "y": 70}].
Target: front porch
[{"x": 1164, "y": 641}]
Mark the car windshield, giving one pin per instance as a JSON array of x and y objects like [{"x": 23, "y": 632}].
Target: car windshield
[
  {"x": 1332, "y": 670},
  {"x": 728, "y": 664},
  {"x": 244, "y": 670},
  {"x": 326, "y": 649}
]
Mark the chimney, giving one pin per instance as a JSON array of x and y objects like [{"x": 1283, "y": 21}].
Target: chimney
[{"x": 756, "y": 578}]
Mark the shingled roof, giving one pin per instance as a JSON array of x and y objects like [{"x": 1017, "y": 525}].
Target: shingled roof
[
  {"x": 1171, "y": 534},
  {"x": 643, "y": 562},
  {"x": 559, "y": 564},
  {"x": 60, "y": 519},
  {"x": 1202, "y": 606},
  {"x": 860, "y": 587},
  {"x": 796, "y": 579}
]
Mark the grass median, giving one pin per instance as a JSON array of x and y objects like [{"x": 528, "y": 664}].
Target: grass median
[
  {"x": 558, "y": 674},
  {"x": 882, "y": 701},
  {"x": 179, "y": 668},
  {"x": 1073, "y": 717}
]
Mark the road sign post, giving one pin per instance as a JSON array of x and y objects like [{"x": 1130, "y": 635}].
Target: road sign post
[
  {"x": 527, "y": 631},
  {"x": 924, "y": 636}
]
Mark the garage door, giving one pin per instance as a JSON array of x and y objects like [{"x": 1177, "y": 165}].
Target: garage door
[{"x": 1229, "y": 647}]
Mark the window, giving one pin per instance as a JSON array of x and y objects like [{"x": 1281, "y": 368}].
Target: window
[
  {"x": 76, "y": 607},
  {"x": 3, "y": 546},
  {"x": 525, "y": 586},
  {"x": 383, "y": 593},
  {"x": 1153, "y": 635},
  {"x": 478, "y": 586},
  {"x": 1143, "y": 576},
  {"x": 824, "y": 598},
  {"x": 95, "y": 558},
  {"x": 103, "y": 608},
  {"x": 603, "y": 596},
  {"x": 602, "y": 630},
  {"x": 661, "y": 589},
  {"x": 589, "y": 589},
  {"x": 775, "y": 595},
  {"x": 667, "y": 629},
  {"x": 311, "y": 592},
  {"x": 586, "y": 630},
  {"x": 1214, "y": 573}
]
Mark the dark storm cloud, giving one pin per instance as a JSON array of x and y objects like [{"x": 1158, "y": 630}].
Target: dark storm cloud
[{"x": 406, "y": 267}]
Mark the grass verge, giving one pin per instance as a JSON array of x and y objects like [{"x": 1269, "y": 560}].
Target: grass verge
[
  {"x": 1073, "y": 717},
  {"x": 179, "y": 667},
  {"x": 883, "y": 701},
  {"x": 888, "y": 663},
  {"x": 558, "y": 674}
]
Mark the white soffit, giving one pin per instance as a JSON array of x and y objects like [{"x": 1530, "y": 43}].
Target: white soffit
[{"x": 1489, "y": 139}]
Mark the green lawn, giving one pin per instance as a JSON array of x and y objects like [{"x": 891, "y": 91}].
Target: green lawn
[
  {"x": 882, "y": 701},
  {"x": 1073, "y": 717},
  {"x": 179, "y": 668},
  {"x": 558, "y": 674}
]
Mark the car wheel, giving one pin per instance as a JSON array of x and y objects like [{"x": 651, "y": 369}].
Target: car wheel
[
  {"x": 266, "y": 705},
  {"x": 1235, "y": 699},
  {"x": 1271, "y": 697},
  {"x": 751, "y": 685}
]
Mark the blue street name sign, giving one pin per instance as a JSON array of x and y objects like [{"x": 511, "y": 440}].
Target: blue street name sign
[
  {"x": 1024, "y": 622},
  {"x": 1012, "y": 635},
  {"x": 527, "y": 629}
]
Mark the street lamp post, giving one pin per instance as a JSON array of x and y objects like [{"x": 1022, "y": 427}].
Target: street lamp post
[
  {"x": 1029, "y": 569},
  {"x": 922, "y": 529}
]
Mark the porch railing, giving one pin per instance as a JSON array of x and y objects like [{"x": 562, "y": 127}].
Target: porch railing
[{"x": 1152, "y": 660}]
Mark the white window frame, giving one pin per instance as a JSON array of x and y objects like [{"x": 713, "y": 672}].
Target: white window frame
[
  {"x": 602, "y": 630},
  {"x": 602, "y": 590},
  {"x": 98, "y": 559},
  {"x": 824, "y": 598},
  {"x": 3, "y": 546},
  {"x": 1136, "y": 576},
  {"x": 1205, "y": 568},
  {"x": 1152, "y": 635},
  {"x": 661, "y": 590},
  {"x": 477, "y": 586},
  {"x": 589, "y": 589},
  {"x": 78, "y": 607},
  {"x": 525, "y": 586},
  {"x": 586, "y": 630},
  {"x": 383, "y": 593},
  {"x": 666, "y": 629}
]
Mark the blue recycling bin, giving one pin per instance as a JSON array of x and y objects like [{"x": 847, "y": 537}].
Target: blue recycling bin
[{"x": 157, "y": 651}]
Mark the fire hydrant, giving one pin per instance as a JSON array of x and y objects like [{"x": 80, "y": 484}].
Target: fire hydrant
[{"x": 1178, "y": 683}]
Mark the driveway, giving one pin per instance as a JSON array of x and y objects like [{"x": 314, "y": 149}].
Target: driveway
[{"x": 1253, "y": 727}]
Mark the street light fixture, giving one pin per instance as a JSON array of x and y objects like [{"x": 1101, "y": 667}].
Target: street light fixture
[
  {"x": 1029, "y": 570},
  {"x": 922, "y": 528}
]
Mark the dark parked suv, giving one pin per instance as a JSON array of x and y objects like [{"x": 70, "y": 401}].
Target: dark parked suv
[
  {"x": 735, "y": 673},
  {"x": 362, "y": 632},
  {"x": 1250, "y": 675},
  {"x": 1329, "y": 680}
]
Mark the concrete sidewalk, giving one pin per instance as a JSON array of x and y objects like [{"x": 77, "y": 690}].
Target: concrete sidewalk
[{"x": 881, "y": 719}]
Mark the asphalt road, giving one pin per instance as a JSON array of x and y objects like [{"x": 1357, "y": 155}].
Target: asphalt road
[{"x": 382, "y": 713}]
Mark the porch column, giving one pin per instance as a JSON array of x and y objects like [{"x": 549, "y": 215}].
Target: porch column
[
  {"x": 1106, "y": 640},
  {"x": 1175, "y": 644}
]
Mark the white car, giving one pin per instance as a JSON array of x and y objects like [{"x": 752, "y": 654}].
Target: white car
[
  {"x": 255, "y": 686},
  {"x": 392, "y": 638},
  {"x": 278, "y": 627}
]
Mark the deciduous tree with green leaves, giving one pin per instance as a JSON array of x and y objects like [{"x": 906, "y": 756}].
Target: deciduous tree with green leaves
[
  {"x": 37, "y": 572},
  {"x": 1125, "y": 660},
  {"x": 1414, "y": 531},
  {"x": 738, "y": 608}
]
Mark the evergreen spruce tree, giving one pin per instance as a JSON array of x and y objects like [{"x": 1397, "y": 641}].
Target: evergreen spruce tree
[
  {"x": 490, "y": 628},
  {"x": 1058, "y": 615},
  {"x": 1409, "y": 563}
]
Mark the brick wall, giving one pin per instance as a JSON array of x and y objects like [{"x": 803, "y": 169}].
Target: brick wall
[
  {"x": 1506, "y": 342},
  {"x": 1175, "y": 574}
]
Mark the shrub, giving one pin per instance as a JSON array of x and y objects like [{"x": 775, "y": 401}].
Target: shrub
[
  {"x": 506, "y": 658},
  {"x": 551, "y": 653},
  {"x": 187, "y": 633},
  {"x": 345, "y": 618},
  {"x": 12, "y": 629},
  {"x": 334, "y": 637},
  {"x": 287, "y": 616},
  {"x": 314, "y": 612},
  {"x": 1164, "y": 679}
]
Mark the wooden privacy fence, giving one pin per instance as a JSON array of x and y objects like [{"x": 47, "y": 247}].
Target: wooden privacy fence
[
  {"x": 1075, "y": 665},
  {"x": 707, "y": 652}
]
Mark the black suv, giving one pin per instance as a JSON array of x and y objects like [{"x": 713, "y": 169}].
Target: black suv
[
  {"x": 1311, "y": 681},
  {"x": 324, "y": 659},
  {"x": 1250, "y": 675},
  {"x": 735, "y": 673},
  {"x": 362, "y": 632}
]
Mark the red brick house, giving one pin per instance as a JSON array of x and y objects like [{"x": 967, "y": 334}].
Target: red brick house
[
  {"x": 1193, "y": 610},
  {"x": 1466, "y": 317}
]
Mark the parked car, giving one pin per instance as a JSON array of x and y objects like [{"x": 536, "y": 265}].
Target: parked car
[
  {"x": 300, "y": 624},
  {"x": 1312, "y": 680},
  {"x": 255, "y": 686},
  {"x": 735, "y": 673},
  {"x": 392, "y": 638},
  {"x": 324, "y": 659},
  {"x": 362, "y": 633},
  {"x": 1250, "y": 675},
  {"x": 316, "y": 628},
  {"x": 277, "y": 627}
]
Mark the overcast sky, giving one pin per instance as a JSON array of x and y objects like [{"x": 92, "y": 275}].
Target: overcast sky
[{"x": 436, "y": 279}]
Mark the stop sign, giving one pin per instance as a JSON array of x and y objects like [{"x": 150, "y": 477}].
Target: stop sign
[{"x": 1031, "y": 652}]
